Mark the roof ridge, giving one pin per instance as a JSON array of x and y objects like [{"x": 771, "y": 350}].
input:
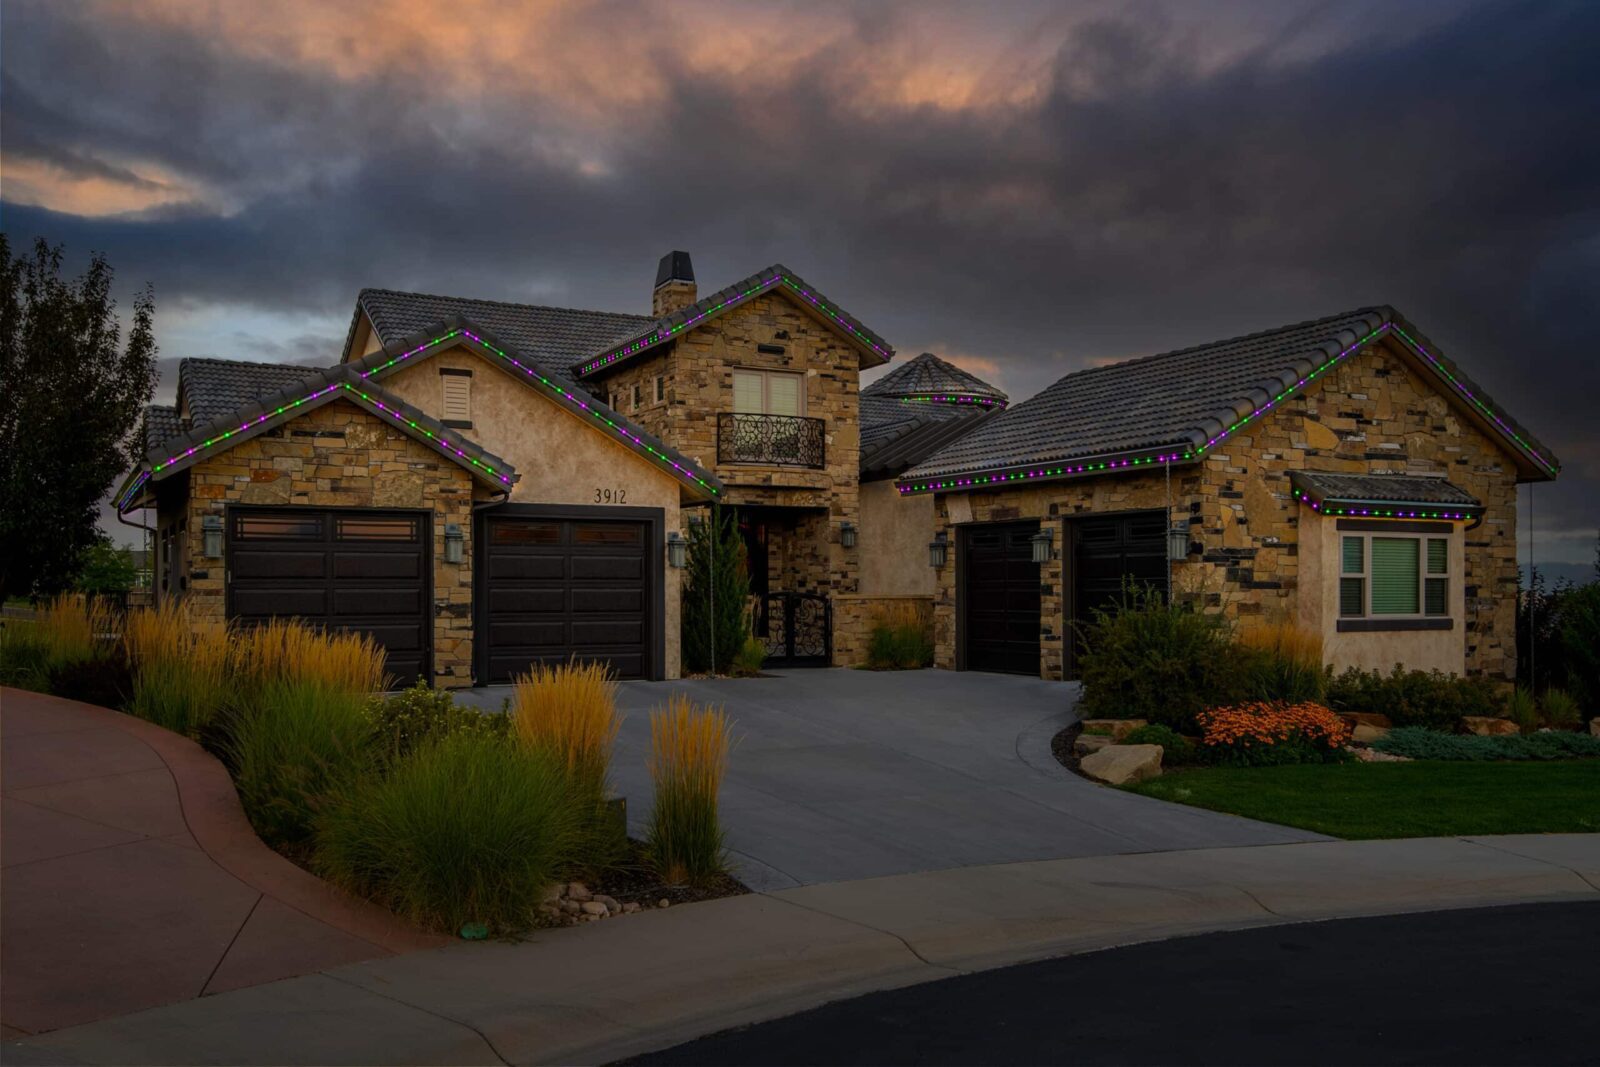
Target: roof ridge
[
  {"x": 501, "y": 303},
  {"x": 248, "y": 363}
]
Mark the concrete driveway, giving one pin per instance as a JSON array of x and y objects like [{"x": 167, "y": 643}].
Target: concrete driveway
[{"x": 844, "y": 774}]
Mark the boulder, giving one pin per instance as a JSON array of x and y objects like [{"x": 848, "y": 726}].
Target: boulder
[
  {"x": 579, "y": 892},
  {"x": 1594, "y": 726},
  {"x": 595, "y": 908},
  {"x": 1487, "y": 726},
  {"x": 1121, "y": 764},
  {"x": 1086, "y": 744},
  {"x": 611, "y": 904},
  {"x": 1117, "y": 729},
  {"x": 1365, "y": 718},
  {"x": 1367, "y": 733}
]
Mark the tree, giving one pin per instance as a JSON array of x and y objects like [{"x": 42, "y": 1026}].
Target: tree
[
  {"x": 106, "y": 569},
  {"x": 716, "y": 593},
  {"x": 73, "y": 394}
]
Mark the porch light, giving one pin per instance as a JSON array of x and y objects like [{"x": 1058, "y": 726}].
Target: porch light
[
  {"x": 675, "y": 550},
  {"x": 1177, "y": 543},
  {"x": 1042, "y": 549},
  {"x": 847, "y": 534},
  {"x": 453, "y": 542},
  {"x": 211, "y": 528},
  {"x": 938, "y": 550}
]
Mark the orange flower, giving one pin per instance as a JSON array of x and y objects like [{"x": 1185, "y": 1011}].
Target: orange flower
[{"x": 1262, "y": 723}]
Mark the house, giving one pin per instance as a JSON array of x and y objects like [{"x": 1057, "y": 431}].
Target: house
[
  {"x": 484, "y": 485},
  {"x": 1341, "y": 473}
]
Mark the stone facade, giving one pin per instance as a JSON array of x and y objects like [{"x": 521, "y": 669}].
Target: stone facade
[
  {"x": 335, "y": 456},
  {"x": 854, "y": 615},
  {"x": 1374, "y": 412}
]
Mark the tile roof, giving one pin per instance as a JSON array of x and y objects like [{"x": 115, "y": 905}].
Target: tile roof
[
  {"x": 890, "y": 448},
  {"x": 557, "y": 337},
  {"x": 776, "y": 278},
  {"x": 161, "y": 424},
  {"x": 928, "y": 375},
  {"x": 215, "y": 387},
  {"x": 1381, "y": 488}
]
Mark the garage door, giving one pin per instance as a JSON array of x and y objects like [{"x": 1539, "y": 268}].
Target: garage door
[
  {"x": 1112, "y": 549},
  {"x": 355, "y": 569},
  {"x": 1001, "y": 592},
  {"x": 556, "y": 589}
]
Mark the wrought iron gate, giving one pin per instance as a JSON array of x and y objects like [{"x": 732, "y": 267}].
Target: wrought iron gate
[{"x": 797, "y": 629}]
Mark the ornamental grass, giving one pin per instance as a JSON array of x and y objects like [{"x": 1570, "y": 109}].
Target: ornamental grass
[
  {"x": 1284, "y": 661},
  {"x": 288, "y": 649},
  {"x": 75, "y": 628},
  {"x": 902, "y": 636},
  {"x": 1263, "y": 733},
  {"x": 688, "y": 757},
  {"x": 179, "y": 664}
]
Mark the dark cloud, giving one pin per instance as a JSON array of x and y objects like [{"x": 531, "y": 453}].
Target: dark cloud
[{"x": 1156, "y": 191}]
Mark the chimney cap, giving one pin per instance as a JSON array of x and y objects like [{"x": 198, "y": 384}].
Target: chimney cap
[{"x": 675, "y": 267}]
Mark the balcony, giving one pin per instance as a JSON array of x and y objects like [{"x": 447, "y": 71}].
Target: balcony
[{"x": 784, "y": 440}]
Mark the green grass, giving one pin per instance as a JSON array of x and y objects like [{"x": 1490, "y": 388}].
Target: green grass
[{"x": 1420, "y": 799}]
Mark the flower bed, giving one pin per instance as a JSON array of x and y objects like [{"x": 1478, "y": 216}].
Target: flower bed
[{"x": 1261, "y": 734}]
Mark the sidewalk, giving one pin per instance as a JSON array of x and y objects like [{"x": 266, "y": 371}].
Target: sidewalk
[
  {"x": 609, "y": 990},
  {"x": 131, "y": 878}
]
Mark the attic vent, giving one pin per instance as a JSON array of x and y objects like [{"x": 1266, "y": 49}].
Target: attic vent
[
  {"x": 456, "y": 409},
  {"x": 771, "y": 350}
]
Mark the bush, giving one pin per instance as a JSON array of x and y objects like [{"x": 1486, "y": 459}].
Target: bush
[
  {"x": 107, "y": 569},
  {"x": 1175, "y": 747},
  {"x": 179, "y": 666},
  {"x": 1560, "y": 710},
  {"x": 418, "y": 716},
  {"x": 1261, "y": 734},
  {"x": 902, "y": 637},
  {"x": 1147, "y": 659},
  {"x": 301, "y": 743},
  {"x": 1284, "y": 663},
  {"x": 716, "y": 594},
  {"x": 463, "y": 829},
  {"x": 1420, "y": 743},
  {"x": 24, "y": 656},
  {"x": 747, "y": 664},
  {"x": 1578, "y": 638},
  {"x": 105, "y": 682},
  {"x": 688, "y": 757},
  {"x": 1522, "y": 710},
  {"x": 1413, "y": 698}
]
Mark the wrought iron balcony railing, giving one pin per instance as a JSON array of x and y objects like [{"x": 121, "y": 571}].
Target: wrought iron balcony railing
[{"x": 779, "y": 439}]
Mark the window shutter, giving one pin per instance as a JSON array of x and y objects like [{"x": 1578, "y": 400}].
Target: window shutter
[
  {"x": 1395, "y": 566},
  {"x": 746, "y": 392},
  {"x": 457, "y": 405}
]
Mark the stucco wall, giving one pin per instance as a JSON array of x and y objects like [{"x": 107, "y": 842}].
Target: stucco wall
[
  {"x": 559, "y": 459},
  {"x": 894, "y": 536}
]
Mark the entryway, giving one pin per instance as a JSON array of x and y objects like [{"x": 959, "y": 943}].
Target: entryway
[{"x": 999, "y": 585}]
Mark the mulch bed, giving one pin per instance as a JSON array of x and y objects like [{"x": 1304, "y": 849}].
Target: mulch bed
[
  {"x": 636, "y": 881},
  {"x": 1062, "y": 747}
]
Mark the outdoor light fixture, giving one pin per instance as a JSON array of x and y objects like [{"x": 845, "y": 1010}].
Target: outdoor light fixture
[
  {"x": 453, "y": 542},
  {"x": 1177, "y": 543},
  {"x": 847, "y": 534},
  {"x": 938, "y": 549},
  {"x": 211, "y": 527},
  {"x": 675, "y": 549},
  {"x": 1042, "y": 548}
]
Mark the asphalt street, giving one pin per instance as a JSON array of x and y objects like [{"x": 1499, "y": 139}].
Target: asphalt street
[{"x": 1504, "y": 985}]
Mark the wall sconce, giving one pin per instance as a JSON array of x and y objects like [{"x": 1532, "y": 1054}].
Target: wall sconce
[
  {"x": 847, "y": 534},
  {"x": 938, "y": 550},
  {"x": 211, "y": 531},
  {"x": 453, "y": 542},
  {"x": 675, "y": 549},
  {"x": 1043, "y": 547},
  {"x": 1177, "y": 543}
]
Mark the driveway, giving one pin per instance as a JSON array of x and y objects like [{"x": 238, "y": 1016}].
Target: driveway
[{"x": 843, "y": 774}]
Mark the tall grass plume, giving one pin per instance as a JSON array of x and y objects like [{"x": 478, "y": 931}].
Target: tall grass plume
[
  {"x": 688, "y": 758},
  {"x": 568, "y": 713},
  {"x": 179, "y": 664}
]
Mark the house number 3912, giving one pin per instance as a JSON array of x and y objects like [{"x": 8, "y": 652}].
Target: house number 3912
[{"x": 610, "y": 496}]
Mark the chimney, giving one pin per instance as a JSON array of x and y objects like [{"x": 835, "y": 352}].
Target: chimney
[{"x": 675, "y": 286}]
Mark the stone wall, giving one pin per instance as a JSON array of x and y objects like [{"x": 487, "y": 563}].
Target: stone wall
[
  {"x": 1373, "y": 412},
  {"x": 340, "y": 456},
  {"x": 854, "y": 615}
]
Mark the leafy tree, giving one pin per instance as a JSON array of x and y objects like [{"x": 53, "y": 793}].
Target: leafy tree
[
  {"x": 73, "y": 394},
  {"x": 107, "y": 568},
  {"x": 716, "y": 594}
]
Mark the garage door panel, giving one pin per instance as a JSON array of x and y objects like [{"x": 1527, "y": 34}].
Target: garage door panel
[
  {"x": 254, "y": 562},
  {"x": 264, "y": 603},
  {"x": 349, "y": 563},
  {"x": 524, "y": 567},
  {"x": 607, "y": 632},
  {"x": 350, "y": 603},
  {"x": 608, "y": 568},
  {"x": 512, "y": 601},
  {"x": 397, "y": 637},
  {"x": 590, "y": 601},
  {"x": 531, "y": 634}
]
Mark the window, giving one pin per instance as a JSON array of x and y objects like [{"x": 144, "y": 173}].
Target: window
[
  {"x": 636, "y": 398},
  {"x": 661, "y": 388},
  {"x": 456, "y": 408},
  {"x": 1393, "y": 576},
  {"x": 765, "y": 392}
]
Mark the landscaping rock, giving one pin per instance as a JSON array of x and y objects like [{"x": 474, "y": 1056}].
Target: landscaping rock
[
  {"x": 1087, "y": 744},
  {"x": 1121, "y": 764},
  {"x": 611, "y": 904},
  {"x": 552, "y": 895},
  {"x": 1117, "y": 728},
  {"x": 1372, "y": 755},
  {"x": 595, "y": 908},
  {"x": 663, "y": 902},
  {"x": 630, "y": 907},
  {"x": 1366, "y": 733},
  {"x": 1594, "y": 726},
  {"x": 579, "y": 892},
  {"x": 571, "y": 907},
  {"x": 1486, "y": 726},
  {"x": 1366, "y": 718}
]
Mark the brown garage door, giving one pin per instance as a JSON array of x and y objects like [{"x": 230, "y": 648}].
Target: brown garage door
[
  {"x": 356, "y": 569},
  {"x": 556, "y": 589},
  {"x": 1000, "y": 587},
  {"x": 1109, "y": 551}
]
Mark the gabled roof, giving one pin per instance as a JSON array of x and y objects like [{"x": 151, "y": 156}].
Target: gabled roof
[
  {"x": 161, "y": 424},
  {"x": 1393, "y": 496},
  {"x": 557, "y": 337},
  {"x": 215, "y": 387},
  {"x": 776, "y": 278},
  {"x": 263, "y": 413},
  {"x": 1173, "y": 407},
  {"x": 927, "y": 377},
  {"x": 889, "y": 449},
  {"x": 457, "y": 331}
]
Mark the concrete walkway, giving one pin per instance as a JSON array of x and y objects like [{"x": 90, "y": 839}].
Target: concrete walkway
[
  {"x": 132, "y": 879},
  {"x": 609, "y": 990},
  {"x": 841, "y": 775}
]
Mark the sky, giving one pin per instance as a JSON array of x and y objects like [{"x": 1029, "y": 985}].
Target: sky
[{"x": 1024, "y": 188}]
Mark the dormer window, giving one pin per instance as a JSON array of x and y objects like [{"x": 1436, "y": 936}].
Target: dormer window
[{"x": 455, "y": 407}]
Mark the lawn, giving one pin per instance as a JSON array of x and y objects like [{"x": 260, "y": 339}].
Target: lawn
[{"x": 1420, "y": 799}]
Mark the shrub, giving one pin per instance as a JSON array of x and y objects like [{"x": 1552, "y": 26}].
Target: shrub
[
  {"x": 301, "y": 743},
  {"x": 1578, "y": 638},
  {"x": 1262, "y": 734},
  {"x": 569, "y": 713},
  {"x": 417, "y": 716},
  {"x": 463, "y": 829},
  {"x": 716, "y": 594},
  {"x": 1560, "y": 710},
  {"x": 1175, "y": 747},
  {"x": 1522, "y": 710},
  {"x": 24, "y": 656},
  {"x": 1420, "y": 743},
  {"x": 1284, "y": 662},
  {"x": 688, "y": 757},
  {"x": 747, "y": 664},
  {"x": 902, "y": 637},
  {"x": 179, "y": 666},
  {"x": 1147, "y": 659},
  {"x": 1413, "y": 698}
]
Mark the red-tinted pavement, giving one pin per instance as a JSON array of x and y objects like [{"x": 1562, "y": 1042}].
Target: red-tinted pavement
[{"x": 131, "y": 877}]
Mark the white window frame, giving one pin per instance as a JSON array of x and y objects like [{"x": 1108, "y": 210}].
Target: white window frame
[
  {"x": 1423, "y": 574},
  {"x": 766, "y": 377}
]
